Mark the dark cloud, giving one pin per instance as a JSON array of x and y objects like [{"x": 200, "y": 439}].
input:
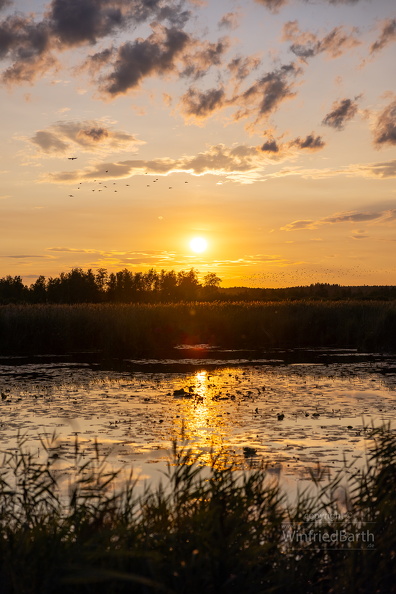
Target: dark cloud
[
  {"x": 23, "y": 39},
  {"x": 89, "y": 136},
  {"x": 5, "y": 3},
  {"x": 74, "y": 22},
  {"x": 29, "y": 45},
  {"x": 385, "y": 128},
  {"x": 273, "y": 5},
  {"x": 341, "y": 112},
  {"x": 270, "y": 146},
  {"x": 271, "y": 90},
  {"x": 94, "y": 134},
  {"x": 259, "y": 100},
  {"x": 388, "y": 34},
  {"x": 95, "y": 62},
  {"x": 229, "y": 20},
  {"x": 142, "y": 58},
  {"x": 202, "y": 104},
  {"x": 198, "y": 61},
  {"x": 343, "y": 1},
  {"x": 307, "y": 44},
  {"x": 241, "y": 67},
  {"x": 310, "y": 142}
]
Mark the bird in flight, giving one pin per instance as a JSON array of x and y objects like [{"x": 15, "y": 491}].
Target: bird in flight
[{"x": 71, "y": 158}]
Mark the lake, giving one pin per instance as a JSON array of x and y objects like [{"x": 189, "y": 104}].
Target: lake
[{"x": 290, "y": 410}]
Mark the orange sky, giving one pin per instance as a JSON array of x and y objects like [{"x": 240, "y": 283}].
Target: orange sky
[{"x": 266, "y": 127}]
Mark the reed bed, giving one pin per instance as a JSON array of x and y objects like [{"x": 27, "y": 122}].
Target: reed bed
[
  {"x": 201, "y": 531},
  {"x": 154, "y": 329}
]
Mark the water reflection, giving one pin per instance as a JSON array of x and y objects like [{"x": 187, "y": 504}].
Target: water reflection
[{"x": 289, "y": 417}]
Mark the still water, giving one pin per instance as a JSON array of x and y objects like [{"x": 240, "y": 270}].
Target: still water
[{"x": 287, "y": 415}]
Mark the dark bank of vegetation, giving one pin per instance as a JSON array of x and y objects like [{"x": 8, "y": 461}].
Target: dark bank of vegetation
[
  {"x": 79, "y": 286},
  {"x": 213, "y": 531},
  {"x": 148, "y": 314},
  {"x": 150, "y": 330}
]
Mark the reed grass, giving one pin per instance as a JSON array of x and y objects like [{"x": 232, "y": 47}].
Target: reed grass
[
  {"x": 152, "y": 329},
  {"x": 220, "y": 531}
]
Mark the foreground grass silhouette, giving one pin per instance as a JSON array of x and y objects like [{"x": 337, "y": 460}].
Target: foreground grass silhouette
[{"x": 206, "y": 531}]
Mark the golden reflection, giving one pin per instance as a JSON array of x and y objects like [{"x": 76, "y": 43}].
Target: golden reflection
[{"x": 203, "y": 421}]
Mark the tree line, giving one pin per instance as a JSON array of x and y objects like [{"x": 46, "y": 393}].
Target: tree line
[{"x": 79, "y": 286}]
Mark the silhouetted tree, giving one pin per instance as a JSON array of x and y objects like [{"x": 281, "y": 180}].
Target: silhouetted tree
[
  {"x": 188, "y": 285},
  {"x": 38, "y": 290},
  {"x": 211, "y": 284},
  {"x": 12, "y": 289}
]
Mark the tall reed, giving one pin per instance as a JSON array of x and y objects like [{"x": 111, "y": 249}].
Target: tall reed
[
  {"x": 152, "y": 329},
  {"x": 200, "y": 531}
]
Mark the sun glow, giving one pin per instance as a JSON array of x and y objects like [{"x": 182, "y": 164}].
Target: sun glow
[{"x": 198, "y": 245}]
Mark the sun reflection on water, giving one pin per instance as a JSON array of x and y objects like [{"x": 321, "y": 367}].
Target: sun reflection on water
[{"x": 202, "y": 423}]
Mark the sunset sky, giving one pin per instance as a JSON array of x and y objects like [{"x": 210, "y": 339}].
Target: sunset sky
[{"x": 265, "y": 127}]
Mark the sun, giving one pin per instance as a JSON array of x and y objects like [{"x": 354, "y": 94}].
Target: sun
[{"x": 198, "y": 245}]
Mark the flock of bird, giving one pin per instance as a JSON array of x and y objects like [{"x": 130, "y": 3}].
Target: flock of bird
[{"x": 105, "y": 187}]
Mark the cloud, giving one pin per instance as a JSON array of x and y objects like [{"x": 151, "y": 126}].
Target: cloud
[
  {"x": 95, "y": 62},
  {"x": 30, "y": 45},
  {"x": 241, "y": 67},
  {"x": 385, "y": 126},
  {"x": 343, "y": 1},
  {"x": 198, "y": 105},
  {"x": 198, "y": 61},
  {"x": 266, "y": 94},
  {"x": 359, "y": 234},
  {"x": 23, "y": 256},
  {"x": 145, "y": 57},
  {"x": 341, "y": 112},
  {"x": 355, "y": 217},
  {"x": 301, "y": 224},
  {"x": 241, "y": 163},
  {"x": 202, "y": 104},
  {"x": 5, "y": 3},
  {"x": 260, "y": 99},
  {"x": 311, "y": 142},
  {"x": 386, "y": 169},
  {"x": 307, "y": 44},
  {"x": 87, "y": 136},
  {"x": 164, "y": 51},
  {"x": 26, "y": 45},
  {"x": 270, "y": 146},
  {"x": 74, "y": 250},
  {"x": 273, "y": 5},
  {"x": 388, "y": 34},
  {"x": 230, "y": 20},
  {"x": 76, "y": 22},
  {"x": 342, "y": 217}
]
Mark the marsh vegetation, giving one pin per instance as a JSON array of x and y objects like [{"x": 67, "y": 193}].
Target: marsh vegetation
[
  {"x": 202, "y": 530},
  {"x": 148, "y": 330}
]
